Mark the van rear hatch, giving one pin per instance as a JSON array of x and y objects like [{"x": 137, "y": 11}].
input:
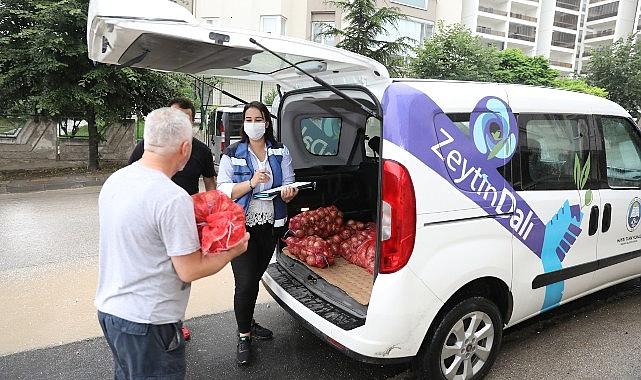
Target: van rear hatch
[{"x": 161, "y": 35}]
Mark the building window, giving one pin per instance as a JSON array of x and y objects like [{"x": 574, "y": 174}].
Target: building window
[
  {"x": 320, "y": 26},
  {"x": 422, "y": 4},
  {"x": 273, "y": 24},
  {"x": 320, "y": 21},
  {"x": 416, "y": 29}
]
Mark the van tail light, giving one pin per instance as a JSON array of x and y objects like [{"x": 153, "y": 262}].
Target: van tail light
[
  {"x": 398, "y": 224},
  {"x": 221, "y": 128}
]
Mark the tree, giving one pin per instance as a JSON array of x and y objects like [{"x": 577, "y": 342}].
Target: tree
[
  {"x": 44, "y": 70},
  {"x": 579, "y": 85},
  {"x": 516, "y": 67},
  {"x": 617, "y": 69},
  {"x": 454, "y": 53},
  {"x": 366, "y": 27}
]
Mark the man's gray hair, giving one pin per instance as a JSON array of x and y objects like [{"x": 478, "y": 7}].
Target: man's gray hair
[{"x": 165, "y": 129}]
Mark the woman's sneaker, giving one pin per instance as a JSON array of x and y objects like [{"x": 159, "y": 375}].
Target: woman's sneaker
[
  {"x": 260, "y": 332},
  {"x": 243, "y": 350}
]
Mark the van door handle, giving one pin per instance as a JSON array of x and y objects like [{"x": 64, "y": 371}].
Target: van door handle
[
  {"x": 607, "y": 217},
  {"x": 594, "y": 220}
]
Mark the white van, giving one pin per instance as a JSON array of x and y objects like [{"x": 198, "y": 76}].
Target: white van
[{"x": 493, "y": 202}]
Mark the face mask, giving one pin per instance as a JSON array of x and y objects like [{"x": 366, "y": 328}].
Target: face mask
[{"x": 254, "y": 130}]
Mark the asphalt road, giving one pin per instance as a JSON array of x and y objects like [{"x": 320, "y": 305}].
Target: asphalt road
[{"x": 598, "y": 337}]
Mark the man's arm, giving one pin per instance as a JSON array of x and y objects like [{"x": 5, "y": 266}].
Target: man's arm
[
  {"x": 210, "y": 183},
  {"x": 209, "y": 172},
  {"x": 195, "y": 265}
]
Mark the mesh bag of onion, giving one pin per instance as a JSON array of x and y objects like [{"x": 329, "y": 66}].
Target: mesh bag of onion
[
  {"x": 322, "y": 222},
  {"x": 312, "y": 250},
  {"x": 220, "y": 221}
]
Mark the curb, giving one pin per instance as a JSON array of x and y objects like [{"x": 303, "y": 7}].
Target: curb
[{"x": 52, "y": 183}]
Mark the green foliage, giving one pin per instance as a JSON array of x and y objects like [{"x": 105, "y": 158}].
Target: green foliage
[
  {"x": 268, "y": 99},
  {"x": 44, "y": 69},
  {"x": 617, "y": 69},
  {"x": 516, "y": 67},
  {"x": 579, "y": 85},
  {"x": 365, "y": 24},
  {"x": 454, "y": 53}
]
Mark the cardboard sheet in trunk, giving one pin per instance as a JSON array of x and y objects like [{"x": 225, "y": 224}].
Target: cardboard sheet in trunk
[{"x": 352, "y": 279}]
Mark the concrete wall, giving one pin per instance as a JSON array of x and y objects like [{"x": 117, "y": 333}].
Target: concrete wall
[{"x": 37, "y": 141}]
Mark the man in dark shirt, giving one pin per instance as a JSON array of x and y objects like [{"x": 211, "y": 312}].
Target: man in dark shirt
[{"x": 201, "y": 161}]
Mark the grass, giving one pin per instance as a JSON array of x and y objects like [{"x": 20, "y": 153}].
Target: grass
[{"x": 9, "y": 124}]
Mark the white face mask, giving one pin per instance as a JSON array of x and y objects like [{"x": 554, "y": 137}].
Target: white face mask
[{"x": 255, "y": 131}]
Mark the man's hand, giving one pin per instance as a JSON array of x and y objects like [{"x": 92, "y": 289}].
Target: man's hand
[
  {"x": 238, "y": 249},
  {"x": 288, "y": 193},
  {"x": 196, "y": 265}
]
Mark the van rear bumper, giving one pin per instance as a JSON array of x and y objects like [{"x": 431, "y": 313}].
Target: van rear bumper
[{"x": 272, "y": 280}]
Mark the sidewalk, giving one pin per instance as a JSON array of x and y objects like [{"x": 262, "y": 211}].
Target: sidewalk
[{"x": 22, "y": 177}]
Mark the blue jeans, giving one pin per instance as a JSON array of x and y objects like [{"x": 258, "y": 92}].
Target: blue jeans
[{"x": 143, "y": 351}]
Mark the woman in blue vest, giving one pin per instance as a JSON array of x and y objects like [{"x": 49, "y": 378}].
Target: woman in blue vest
[{"x": 257, "y": 163}]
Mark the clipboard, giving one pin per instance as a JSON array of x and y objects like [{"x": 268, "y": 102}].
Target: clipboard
[{"x": 273, "y": 193}]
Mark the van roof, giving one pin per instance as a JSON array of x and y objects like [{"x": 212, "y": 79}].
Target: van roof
[{"x": 461, "y": 96}]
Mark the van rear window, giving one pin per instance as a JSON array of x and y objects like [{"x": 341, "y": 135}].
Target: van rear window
[{"x": 321, "y": 135}]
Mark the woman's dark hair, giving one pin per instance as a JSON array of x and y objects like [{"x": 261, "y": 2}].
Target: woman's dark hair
[
  {"x": 269, "y": 126},
  {"x": 185, "y": 104}
]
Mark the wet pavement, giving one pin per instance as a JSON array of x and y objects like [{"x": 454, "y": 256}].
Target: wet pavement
[{"x": 48, "y": 261}]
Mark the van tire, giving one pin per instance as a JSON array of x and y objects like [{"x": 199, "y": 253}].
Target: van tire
[{"x": 428, "y": 364}]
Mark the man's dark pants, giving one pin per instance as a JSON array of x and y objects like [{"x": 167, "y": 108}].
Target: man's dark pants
[{"x": 142, "y": 351}]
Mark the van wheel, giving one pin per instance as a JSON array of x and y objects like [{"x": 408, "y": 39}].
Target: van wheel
[{"x": 465, "y": 343}]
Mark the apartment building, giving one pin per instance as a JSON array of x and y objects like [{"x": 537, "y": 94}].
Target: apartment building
[
  {"x": 607, "y": 21},
  {"x": 564, "y": 31},
  {"x": 550, "y": 28},
  {"x": 304, "y": 18}
]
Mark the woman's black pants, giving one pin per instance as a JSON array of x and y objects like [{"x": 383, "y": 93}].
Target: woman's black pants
[{"x": 248, "y": 269}]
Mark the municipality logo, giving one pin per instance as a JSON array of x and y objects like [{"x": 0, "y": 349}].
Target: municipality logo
[{"x": 633, "y": 214}]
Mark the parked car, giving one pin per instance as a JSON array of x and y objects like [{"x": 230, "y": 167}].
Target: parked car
[{"x": 493, "y": 202}]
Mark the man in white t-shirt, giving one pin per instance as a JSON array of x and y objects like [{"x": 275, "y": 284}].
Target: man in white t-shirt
[{"x": 150, "y": 253}]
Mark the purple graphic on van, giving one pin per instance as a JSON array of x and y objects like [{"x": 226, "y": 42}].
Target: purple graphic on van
[{"x": 473, "y": 163}]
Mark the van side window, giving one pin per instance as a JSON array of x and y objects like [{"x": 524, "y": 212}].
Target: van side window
[
  {"x": 549, "y": 145},
  {"x": 622, "y": 152},
  {"x": 462, "y": 121},
  {"x": 373, "y": 137},
  {"x": 321, "y": 135}
]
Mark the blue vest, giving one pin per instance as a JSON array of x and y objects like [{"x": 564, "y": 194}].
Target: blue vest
[{"x": 244, "y": 170}]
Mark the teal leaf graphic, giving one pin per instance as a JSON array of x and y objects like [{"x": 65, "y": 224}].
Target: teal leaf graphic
[
  {"x": 497, "y": 148},
  {"x": 585, "y": 174},
  {"x": 577, "y": 171},
  {"x": 588, "y": 197}
]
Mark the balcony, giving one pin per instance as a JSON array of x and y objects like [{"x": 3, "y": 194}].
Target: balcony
[
  {"x": 522, "y": 37},
  {"x": 566, "y": 25},
  {"x": 492, "y": 11},
  {"x": 561, "y": 64},
  {"x": 523, "y": 17},
  {"x": 563, "y": 44},
  {"x": 602, "y": 16},
  {"x": 600, "y": 33},
  {"x": 598, "y": 1},
  {"x": 574, "y": 5},
  {"x": 486, "y": 30}
]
